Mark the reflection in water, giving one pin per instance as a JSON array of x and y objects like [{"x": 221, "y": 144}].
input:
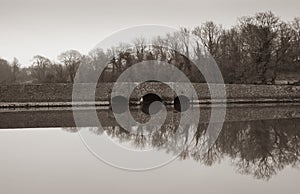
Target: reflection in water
[
  {"x": 181, "y": 103},
  {"x": 260, "y": 141},
  {"x": 119, "y": 104},
  {"x": 259, "y": 148}
]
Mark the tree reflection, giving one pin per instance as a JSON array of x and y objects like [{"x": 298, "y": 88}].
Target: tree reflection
[
  {"x": 258, "y": 148},
  {"x": 261, "y": 148}
]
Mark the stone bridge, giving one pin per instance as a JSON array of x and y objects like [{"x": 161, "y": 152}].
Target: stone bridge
[{"x": 41, "y": 95}]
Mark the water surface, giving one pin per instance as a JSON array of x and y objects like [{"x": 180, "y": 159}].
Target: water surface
[{"x": 257, "y": 151}]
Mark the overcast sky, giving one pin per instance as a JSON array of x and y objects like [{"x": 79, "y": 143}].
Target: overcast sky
[{"x": 30, "y": 27}]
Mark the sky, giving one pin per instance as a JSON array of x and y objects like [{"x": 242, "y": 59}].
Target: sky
[{"x": 49, "y": 27}]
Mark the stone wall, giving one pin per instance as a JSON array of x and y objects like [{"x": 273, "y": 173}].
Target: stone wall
[{"x": 63, "y": 92}]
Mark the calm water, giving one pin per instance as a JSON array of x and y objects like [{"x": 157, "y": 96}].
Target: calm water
[{"x": 257, "y": 151}]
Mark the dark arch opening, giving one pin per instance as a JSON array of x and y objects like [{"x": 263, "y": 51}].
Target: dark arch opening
[
  {"x": 147, "y": 100},
  {"x": 119, "y": 104},
  {"x": 181, "y": 103}
]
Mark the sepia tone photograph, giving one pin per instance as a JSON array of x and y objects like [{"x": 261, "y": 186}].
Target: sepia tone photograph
[{"x": 138, "y": 96}]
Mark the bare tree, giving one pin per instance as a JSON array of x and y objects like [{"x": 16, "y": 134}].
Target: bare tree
[
  {"x": 60, "y": 72},
  {"x": 5, "y": 71},
  {"x": 72, "y": 60},
  {"x": 210, "y": 35},
  {"x": 258, "y": 34},
  {"x": 98, "y": 57},
  {"x": 15, "y": 69},
  {"x": 140, "y": 46},
  {"x": 295, "y": 42},
  {"x": 39, "y": 67}
]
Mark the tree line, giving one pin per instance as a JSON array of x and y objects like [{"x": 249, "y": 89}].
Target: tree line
[{"x": 254, "y": 51}]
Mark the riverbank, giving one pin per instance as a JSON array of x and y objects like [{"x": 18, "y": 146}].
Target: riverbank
[
  {"x": 63, "y": 117},
  {"x": 60, "y": 95}
]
